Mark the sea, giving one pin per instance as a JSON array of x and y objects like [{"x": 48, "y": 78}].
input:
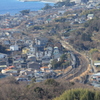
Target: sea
[{"x": 14, "y": 6}]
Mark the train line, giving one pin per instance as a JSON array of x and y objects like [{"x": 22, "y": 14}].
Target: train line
[{"x": 80, "y": 67}]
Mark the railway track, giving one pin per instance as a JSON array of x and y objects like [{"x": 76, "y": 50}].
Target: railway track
[
  {"x": 81, "y": 69},
  {"x": 81, "y": 65}
]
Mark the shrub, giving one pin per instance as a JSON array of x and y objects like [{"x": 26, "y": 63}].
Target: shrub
[{"x": 51, "y": 82}]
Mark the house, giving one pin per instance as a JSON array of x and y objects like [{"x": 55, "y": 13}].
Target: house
[
  {"x": 28, "y": 74},
  {"x": 41, "y": 41},
  {"x": 6, "y": 42},
  {"x": 97, "y": 66},
  {"x": 20, "y": 42},
  {"x": 55, "y": 48},
  {"x": 44, "y": 68},
  {"x": 56, "y": 54},
  {"x": 16, "y": 56},
  {"x": 29, "y": 42},
  {"x": 96, "y": 77},
  {"x": 90, "y": 16},
  {"x": 97, "y": 63},
  {"x": 3, "y": 55},
  {"x": 14, "y": 74},
  {"x": 39, "y": 55},
  {"x": 7, "y": 33},
  {"x": 31, "y": 51},
  {"x": 3, "y": 62},
  {"x": 25, "y": 50},
  {"x": 31, "y": 58},
  {"x": 33, "y": 65},
  {"x": 22, "y": 78},
  {"x": 3, "y": 67},
  {"x": 30, "y": 24},
  {"x": 49, "y": 66},
  {"x": 14, "y": 47},
  {"x": 48, "y": 53},
  {"x": 61, "y": 12},
  {"x": 18, "y": 60},
  {"x": 39, "y": 74},
  {"x": 49, "y": 48},
  {"x": 4, "y": 71},
  {"x": 19, "y": 63},
  {"x": 9, "y": 69},
  {"x": 46, "y": 60},
  {"x": 56, "y": 51},
  {"x": 23, "y": 65},
  {"x": 40, "y": 79}
]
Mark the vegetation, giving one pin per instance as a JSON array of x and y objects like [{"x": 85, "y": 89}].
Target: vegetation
[
  {"x": 91, "y": 11},
  {"x": 47, "y": 90},
  {"x": 64, "y": 3},
  {"x": 93, "y": 50},
  {"x": 86, "y": 38},
  {"x": 79, "y": 94},
  {"x": 36, "y": 27},
  {"x": 25, "y": 12},
  {"x": 63, "y": 63},
  {"x": 51, "y": 82},
  {"x": 60, "y": 19},
  {"x": 83, "y": 36},
  {"x": 3, "y": 49},
  {"x": 47, "y": 6}
]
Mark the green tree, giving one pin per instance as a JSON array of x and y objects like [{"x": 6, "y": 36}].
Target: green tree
[
  {"x": 93, "y": 50},
  {"x": 60, "y": 20},
  {"x": 86, "y": 37},
  {"x": 79, "y": 94},
  {"x": 47, "y": 6},
  {"x": 24, "y": 12},
  {"x": 97, "y": 96},
  {"x": 63, "y": 57},
  {"x": 51, "y": 82},
  {"x": 39, "y": 92},
  {"x": 3, "y": 49},
  {"x": 64, "y": 3}
]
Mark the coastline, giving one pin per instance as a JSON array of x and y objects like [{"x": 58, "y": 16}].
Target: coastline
[{"x": 15, "y": 6}]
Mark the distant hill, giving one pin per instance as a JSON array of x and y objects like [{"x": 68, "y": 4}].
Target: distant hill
[{"x": 43, "y": 0}]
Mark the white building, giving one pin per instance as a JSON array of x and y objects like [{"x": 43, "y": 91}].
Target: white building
[
  {"x": 49, "y": 48},
  {"x": 8, "y": 71},
  {"x": 14, "y": 47},
  {"x": 90, "y": 16},
  {"x": 2, "y": 55},
  {"x": 96, "y": 77}
]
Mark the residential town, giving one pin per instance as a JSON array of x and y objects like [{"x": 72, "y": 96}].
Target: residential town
[{"x": 31, "y": 56}]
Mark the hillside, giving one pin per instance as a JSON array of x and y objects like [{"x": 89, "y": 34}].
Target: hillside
[{"x": 47, "y": 90}]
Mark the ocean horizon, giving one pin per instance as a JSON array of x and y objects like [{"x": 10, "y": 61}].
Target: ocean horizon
[{"x": 14, "y": 6}]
